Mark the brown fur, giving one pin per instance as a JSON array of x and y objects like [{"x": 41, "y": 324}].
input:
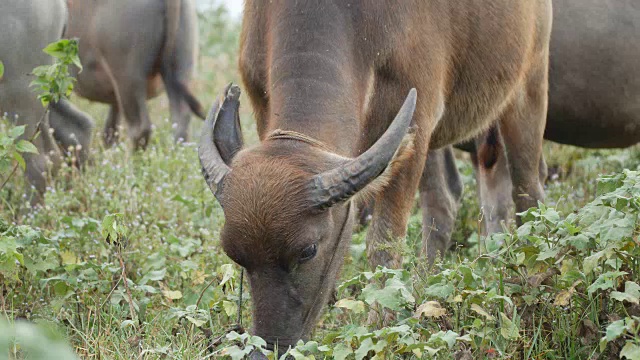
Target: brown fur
[
  {"x": 338, "y": 72},
  {"x": 593, "y": 102}
]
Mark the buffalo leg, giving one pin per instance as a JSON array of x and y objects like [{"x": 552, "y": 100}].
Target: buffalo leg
[
  {"x": 40, "y": 166},
  {"x": 180, "y": 113},
  {"x": 522, "y": 126},
  {"x": 135, "y": 112},
  {"x": 72, "y": 129},
  {"x": 494, "y": 180},
  {"x": 110, "y": 134},
  {"x": 440, "y": 193},
  {"x": 393, "y": 205}
]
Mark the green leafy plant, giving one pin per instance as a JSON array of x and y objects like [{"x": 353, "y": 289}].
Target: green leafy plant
[
  {"x": 564, "y": 285},
  {"x": 11, "y": 150},
  {"x": 22, "y": 340},
  {"x": 54, "y": 82}
]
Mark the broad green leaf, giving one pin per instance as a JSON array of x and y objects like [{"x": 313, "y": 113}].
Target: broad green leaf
[
  {"x": 296, "y": 354},
  {"x": 25, "y": 146},
  {"x": 615, "y": 330},
  {"x": 481, "y": 311},
  {"x": 68, "y": 257},
  {"x": 111, "y": 229},
  {"x": 590, "y": 262},
  {"x": 356, "y": 306},
  {"x": 508, "y": 329},
  {"x": 196, "y": 322},
  {"x": 230, "y": 308},
  {"x": 395, "y": 294},
  {"x": 363, "y": 349},
  {"x": 256, "y": 341},
  {"x": 228, "y": 273},
  {"x": 605, "y": 281},
  {"x": 236, "y": 353},
  {"x": 16, "y": 131},
  {"x": 630, "y": 351},
  {"x": 341, "y": 351},
  {"x": 1, "y": 70},
  {"x": 579, "y": 241},
  {"x": 548, "y": 254},
  {"x": 368, "y": 345},
  {"x": 442, "y": 291},
  {"x": 155, "y": 275},
  {"x": 630, "y": 294},
  {"x": 449, "y": 338}
]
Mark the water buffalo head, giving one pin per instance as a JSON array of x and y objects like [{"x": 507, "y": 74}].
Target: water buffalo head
[{"x": 288, "y": 213}]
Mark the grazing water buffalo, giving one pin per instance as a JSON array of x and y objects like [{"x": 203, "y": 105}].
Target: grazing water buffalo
[
  {"x": 129, "y": 49},
  {"x": 328, "y": 81},
  {"x": 27, "y": 27},
  {"x": 594, "y": 102}
]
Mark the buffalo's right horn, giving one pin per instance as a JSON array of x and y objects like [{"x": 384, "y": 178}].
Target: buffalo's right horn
[
  {"x": 221, "y": 138},
  {"x": 339, "y": 184}
]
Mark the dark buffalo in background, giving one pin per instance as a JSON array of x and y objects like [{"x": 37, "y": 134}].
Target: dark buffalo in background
[{"x": 130, "y": 51}]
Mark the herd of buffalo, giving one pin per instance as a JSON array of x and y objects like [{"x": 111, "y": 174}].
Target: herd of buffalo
[{"x": 357, "y": 103}]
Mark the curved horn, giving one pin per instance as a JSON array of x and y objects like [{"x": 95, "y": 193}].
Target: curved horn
[
  {"x": 339, "y": 184},
  {"x": 221, "y": 138}
]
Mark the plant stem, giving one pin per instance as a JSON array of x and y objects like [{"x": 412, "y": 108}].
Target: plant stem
[
  {"x": 126, "y": 287},
  {"x": 15, "y": 167}
]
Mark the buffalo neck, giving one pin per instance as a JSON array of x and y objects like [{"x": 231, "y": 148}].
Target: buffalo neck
[{"x": 312, "y": 81}]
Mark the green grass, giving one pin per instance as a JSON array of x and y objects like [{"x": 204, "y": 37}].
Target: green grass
[{"x": 488, "y": 304}]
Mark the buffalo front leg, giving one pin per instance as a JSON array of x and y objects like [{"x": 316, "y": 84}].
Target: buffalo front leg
[
  {"x": 392, "y": 205},
  {"x": 110, "y": 134},
  {"x": 72, "y": 129},
  {"x": 40, "y": 166},
  {"x": 440, "y": 193},
  {"x": 522, "y": 126}
]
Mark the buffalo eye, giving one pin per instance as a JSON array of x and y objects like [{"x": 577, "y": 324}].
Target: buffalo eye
[{"x": 308, "y": 253}]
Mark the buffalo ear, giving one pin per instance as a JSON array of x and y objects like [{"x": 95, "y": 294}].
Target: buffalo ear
[{"x": 227, "y": 133}]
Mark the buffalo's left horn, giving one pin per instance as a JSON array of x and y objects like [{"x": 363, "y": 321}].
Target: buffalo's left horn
[
  {"x": 221, "y": 138},
  {"x": 339, "y": 184}
]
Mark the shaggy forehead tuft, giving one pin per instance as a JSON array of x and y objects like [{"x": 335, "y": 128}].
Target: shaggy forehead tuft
[{"x": 266, "y": 199}]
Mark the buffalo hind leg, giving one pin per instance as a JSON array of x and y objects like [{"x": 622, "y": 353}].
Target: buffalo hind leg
[
  {"x": 522, "y": 126},
  {"x": 440, "y": 194},
  {"x": 136, "y": 113},
  {"x": 493, "y": 180},
  {"x": 180, "y": 113}
]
